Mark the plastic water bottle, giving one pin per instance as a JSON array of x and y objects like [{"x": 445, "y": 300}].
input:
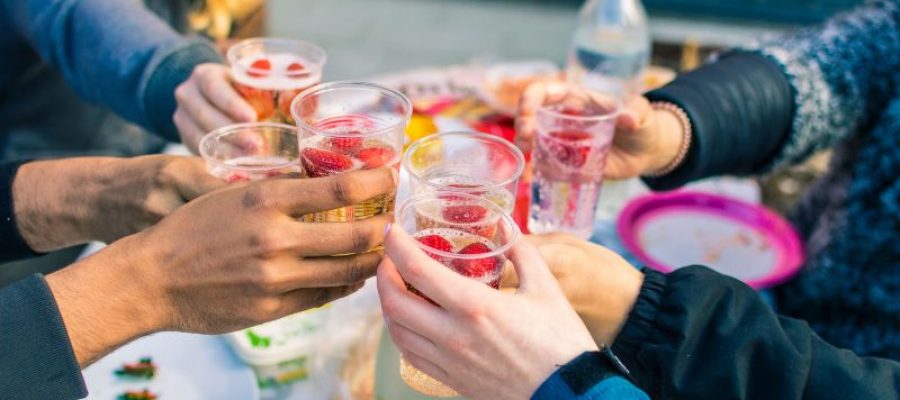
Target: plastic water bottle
[{"x": 611, "y": 47}]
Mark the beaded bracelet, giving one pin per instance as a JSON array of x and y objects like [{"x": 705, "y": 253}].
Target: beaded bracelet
[{"x": 687, "y": 135}]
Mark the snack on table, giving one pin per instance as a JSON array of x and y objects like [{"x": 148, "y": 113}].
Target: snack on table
[
  {"x": 505, "y": 83},
  {"x": 138, "y": 395},
  {"x": 143, "y": 369}
]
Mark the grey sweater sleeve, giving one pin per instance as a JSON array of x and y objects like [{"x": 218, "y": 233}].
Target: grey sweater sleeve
[
  {"x": 36, "y": 357},
  {"x": 114, "y": 53}
]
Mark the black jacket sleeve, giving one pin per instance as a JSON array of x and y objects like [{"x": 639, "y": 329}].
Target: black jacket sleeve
[
  {"x": 12, "y": 246},
  {"x": 36, "y": 357},
  {"x": 697, "y": 334},
  {"x": 740, "y": 109}
]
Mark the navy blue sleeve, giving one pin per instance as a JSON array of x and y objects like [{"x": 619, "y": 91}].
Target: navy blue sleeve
[
  {"x": 741, "y": 110},
  {"x": 587, "y": 378},
  {"x": 36, "y": 358},
  {"x": 12, "y": 246},
  {"x": 114, "y": 53}
]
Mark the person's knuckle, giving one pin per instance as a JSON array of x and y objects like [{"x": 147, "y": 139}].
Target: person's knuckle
[
  {"x": 268, "y": 306},
  {"x": 361, "y": 237},
  {"x": 268, "y": 243},
  {"x": 343, "y": 190},
  {"x": 456, "y": 344},
  {"x": 473, "y": 312},
  {"x": 390, "y": 306},
  {"x": 181, "y": 94}
]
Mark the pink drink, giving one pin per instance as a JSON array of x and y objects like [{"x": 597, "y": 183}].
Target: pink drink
[
  {"x": 269, "y": 73},
  {"x": 251, "y": 152},
  {"x": 569, "y": 158}
]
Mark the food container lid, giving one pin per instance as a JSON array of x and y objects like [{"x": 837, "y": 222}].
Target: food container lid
[{"x": 281, "y": 340}]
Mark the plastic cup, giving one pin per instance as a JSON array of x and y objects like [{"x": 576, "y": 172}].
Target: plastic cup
[
  {"x": 468, "y": 234},
  {"x": 350, "y": 126},
  {"x": 466, "y": 162},
  {"x": 251, "y": 152},
  {"x": 270, "y": 72},
  {"x": 572, "y": 142}
]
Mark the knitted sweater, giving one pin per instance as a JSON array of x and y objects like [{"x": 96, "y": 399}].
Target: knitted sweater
[{"x": 777, "y": 102}]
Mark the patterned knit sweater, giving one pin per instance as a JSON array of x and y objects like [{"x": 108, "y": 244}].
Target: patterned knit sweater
[
  {"x": 845, "y": 80},
  {"x": 779, "y": 101}
]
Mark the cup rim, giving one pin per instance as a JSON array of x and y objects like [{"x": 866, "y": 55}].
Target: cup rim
[
  {"x": 205, "y": 143},
  {"x": 320, "y": 58},
  {"x": 546, "y": 109},
  {"x": 520, "y": 169},
  {"x": 340, "y": 85},
  {"x": 515, "y": 233}
]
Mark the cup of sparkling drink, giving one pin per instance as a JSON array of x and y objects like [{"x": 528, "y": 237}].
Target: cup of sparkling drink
[
  {"x": 251, "y": 152},
  {"x": 350, "y": 126},
  {"x": 466, "y": 233},
  {"x": 268, "y": 73},
  {"x": 467, "y": 162},
  {"x": 571, "y": 144}
]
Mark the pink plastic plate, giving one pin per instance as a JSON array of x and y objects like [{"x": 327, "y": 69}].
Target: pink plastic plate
[{"x": 742, "y": 240}]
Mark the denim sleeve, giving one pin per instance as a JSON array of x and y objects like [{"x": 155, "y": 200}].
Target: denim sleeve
[
  {"x": 36, "y": 358},
  {"x": 114, "y": 53},
  {"x": 585, "y": 379}
]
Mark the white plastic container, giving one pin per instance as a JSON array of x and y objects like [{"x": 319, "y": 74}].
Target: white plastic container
[{"x": 281, "y": 351}]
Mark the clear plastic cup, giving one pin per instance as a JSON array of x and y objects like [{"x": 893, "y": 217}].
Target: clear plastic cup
[
  {"x": 466, "y": 233},
  {"x": 571, "y": 145},
  {"x": 251, "y": 152},
  {"x": 270, "y": 72},
  {"x": 350, "y": 126},
  {"x": 466, "y": 162}
]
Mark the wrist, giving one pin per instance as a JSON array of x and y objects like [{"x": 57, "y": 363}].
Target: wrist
[
  {"x": 105, "y": 302},
  {"x": 605, "y": 317},
  {"x": 671, "y": 142}
]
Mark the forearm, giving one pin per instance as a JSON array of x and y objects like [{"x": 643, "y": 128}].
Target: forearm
[
  {"x": 56, "y": 201},
  {"x": 103, "y": 303},
  {"x": 115, "y": 53},
  {"x": 697, "y": 332}
]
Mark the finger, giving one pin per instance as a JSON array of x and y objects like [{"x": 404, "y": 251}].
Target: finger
[
  {"x": 216, "y": 87},
  {"x": 509, "y": 279},
  {"x": 304, "y": 196},
  {"x": 633, "y": 114},
  {"x": 408, "y": 341},
  {"x": 206, "y": 115},
  {"x": 402, "y": 307},
  {"x": 428, "y": 367},
  {"x": 442, "y": 285},
  {"x": 318, "y": 239},
  {"x": 304, "y": 299},
  {"x": 327, "y": 271},
  {"x": 194, "y": 181},
  {"x": 532, "y": 271},
  {"x": 191, "y": 133}
]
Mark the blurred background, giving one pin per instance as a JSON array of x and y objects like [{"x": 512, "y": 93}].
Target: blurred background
[{"x": 371, "y": 37}]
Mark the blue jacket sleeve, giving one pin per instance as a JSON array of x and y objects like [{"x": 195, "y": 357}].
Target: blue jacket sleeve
[
  {"x": 36, "y": 357},
  {"x": 114, "y": 53},
  {"x": 585, "y": 378}
]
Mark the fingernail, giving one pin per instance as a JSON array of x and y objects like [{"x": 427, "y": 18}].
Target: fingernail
[
  {"x": 395, "y": 176},
  {"x": 387, "y": 228}
]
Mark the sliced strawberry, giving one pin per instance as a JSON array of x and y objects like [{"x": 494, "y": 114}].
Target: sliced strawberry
[
  {"x": 260, "y": 68},
  {"x": 346, "y": 145},
  {"x": 571, "y": 148},
  {"x": 374, "y": 157},
  {"x": 237, "y": 176},
  {"x": 464, "y": 214},
  {"x": 478, "y": 267},
  {"x": 436, "y": 242},
  {"x": 296, "y": 68},
  {"x": 319, "y": 163},
  {"x": 263, "y": 101}
]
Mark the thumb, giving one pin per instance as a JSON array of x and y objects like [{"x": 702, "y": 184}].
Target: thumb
[
  {"x": 533, "y": 273},
  {"x": 195, "y": 181}
]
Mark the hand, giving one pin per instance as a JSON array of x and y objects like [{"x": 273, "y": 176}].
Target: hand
[
  {"x": 228, "y": 260},
  {"x": 601, "y": 286},
  {"x": 207, "y": 101},
  {"x": 71, "y": 201},
  {"x": 646, "y": 140},
  {"x": 483, "y": 343}
]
